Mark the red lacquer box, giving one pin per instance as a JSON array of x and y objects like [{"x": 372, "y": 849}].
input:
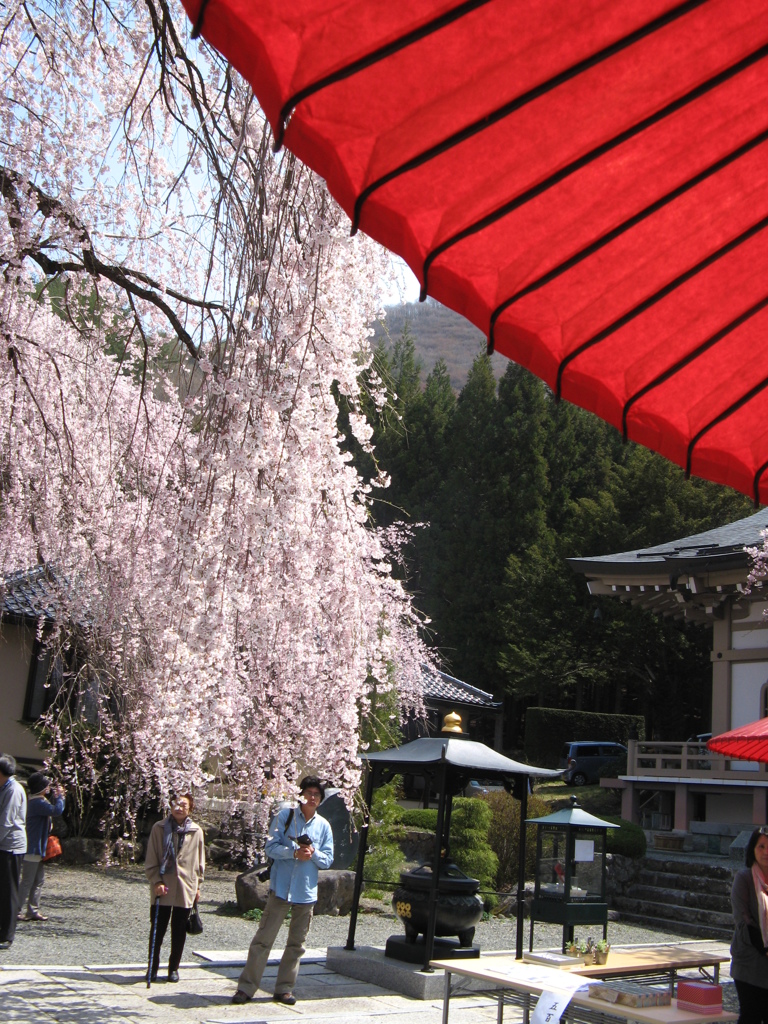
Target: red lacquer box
[{"x": 700, "y": 996}]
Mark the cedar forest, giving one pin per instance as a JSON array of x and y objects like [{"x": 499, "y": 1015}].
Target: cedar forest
[{"x": 512, "y": 483}]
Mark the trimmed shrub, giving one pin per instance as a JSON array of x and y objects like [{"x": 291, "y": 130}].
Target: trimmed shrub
[
  {"x": 470, "y": 850},
  {"x": 420, "y": 817},
  {"x": 384, "y": 859},
  {"x": 628, "y": 840},
  {"x": 504, "y": 835}
]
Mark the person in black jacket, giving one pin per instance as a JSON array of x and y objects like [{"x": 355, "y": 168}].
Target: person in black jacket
[{"x": 749, "y": 949}]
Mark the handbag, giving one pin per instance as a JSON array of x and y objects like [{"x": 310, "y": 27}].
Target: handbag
[
  {"x": 52, "y": 848},
  {"x": 194, "y": 922}
]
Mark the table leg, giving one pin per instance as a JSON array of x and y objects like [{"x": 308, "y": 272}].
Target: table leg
[{"x": 446, "y": 996}]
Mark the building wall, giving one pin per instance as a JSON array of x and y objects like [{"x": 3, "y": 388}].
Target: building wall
[
  {"x": 15, "y": 655},
  {"x": 734, "y": 807}
]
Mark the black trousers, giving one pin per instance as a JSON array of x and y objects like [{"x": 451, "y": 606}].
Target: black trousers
[
  {"x": 178, "y": 918},
  {"x": 753, "y": 1003},
  {"x": 10, "y": 873}
]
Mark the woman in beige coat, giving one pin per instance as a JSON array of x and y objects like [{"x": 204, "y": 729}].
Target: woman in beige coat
[{"x": 174, "y": 865}]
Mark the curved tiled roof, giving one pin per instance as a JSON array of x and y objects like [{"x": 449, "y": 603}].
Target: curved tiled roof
[
  {"x": 440, "y": 686},
  {"x": 28, "y": 595}
]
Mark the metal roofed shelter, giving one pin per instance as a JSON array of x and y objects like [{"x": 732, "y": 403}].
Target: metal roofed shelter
[
  {"x": 448, "y": 762},
  {"x": 570, "y": 870}
]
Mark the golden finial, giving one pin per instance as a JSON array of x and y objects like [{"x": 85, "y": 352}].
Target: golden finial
[{"x": 452, "y": 722}]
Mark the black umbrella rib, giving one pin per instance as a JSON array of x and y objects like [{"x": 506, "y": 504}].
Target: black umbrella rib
[
  {"x": 588, "y": 158},
  {"x": 197, "y": 28},
  {"x": 724, "y": 415},
  {"x": 371, "y": 58},
  {"x": 756, "y": 484},
  {"x": 622, "y": 228},
  {"x": 691, "y": 357},
  {"x": 657, "y": 296},
  {"x": 520, "y": 101}
]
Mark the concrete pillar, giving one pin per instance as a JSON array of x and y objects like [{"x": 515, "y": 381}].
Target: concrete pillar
[
  {"x": 721, "y": 672},
  {"x": 629, "y": 803},
  {"x": 758, "y": 806},
  {"x": 681, "y": 807}
]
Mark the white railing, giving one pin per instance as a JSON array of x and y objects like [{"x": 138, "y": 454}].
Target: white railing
[{"x": 692, "y": 760}]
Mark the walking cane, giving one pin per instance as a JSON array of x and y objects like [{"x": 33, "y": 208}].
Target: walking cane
[{"x": 152, "y": 943}]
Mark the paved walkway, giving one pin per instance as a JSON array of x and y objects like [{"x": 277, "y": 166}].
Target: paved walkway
[
  {"x": 111, "y": 994},
  {"x": 118, "y": 994}
]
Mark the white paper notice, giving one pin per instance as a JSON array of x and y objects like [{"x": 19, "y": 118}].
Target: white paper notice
[
  {"x": 552, "y": 1005},
  {"x": 557, "y": 989},
  {"x": 584, "y": 849}
]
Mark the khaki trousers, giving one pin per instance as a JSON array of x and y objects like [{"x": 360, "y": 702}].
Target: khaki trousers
[{"x": 264, "y": 939}]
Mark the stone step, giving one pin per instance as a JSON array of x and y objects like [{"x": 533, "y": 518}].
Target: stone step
[
  {"x": 685, "y": 882},
  {"x": 711, "y": 901},
  {"x": 698, "y": 868},
  {"x": 695, "y": 930},
  {"x": 689, "y": 920}
]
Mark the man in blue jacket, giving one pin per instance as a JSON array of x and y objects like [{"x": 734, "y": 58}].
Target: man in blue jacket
[
  {"x": 300, "y": 842},
  {"x": 13, "y": 846}
]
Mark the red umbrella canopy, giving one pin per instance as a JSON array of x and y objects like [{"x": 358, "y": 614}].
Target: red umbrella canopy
[
  {"x": 584, "y": 181},
  {"x": 747, "y": 743}
]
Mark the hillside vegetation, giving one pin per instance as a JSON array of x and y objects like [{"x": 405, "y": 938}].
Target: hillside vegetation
[{"x": 437, "y": 333}]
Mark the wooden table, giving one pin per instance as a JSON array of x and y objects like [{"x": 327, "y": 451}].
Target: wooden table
[
  {"x": 496, "y": 970},
  {"x": 665, "y": 960}
]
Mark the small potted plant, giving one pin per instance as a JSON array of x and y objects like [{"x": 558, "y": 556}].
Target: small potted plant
[
  {"x": 601, "y": 951},
  {"x": 581, "y": 950}
]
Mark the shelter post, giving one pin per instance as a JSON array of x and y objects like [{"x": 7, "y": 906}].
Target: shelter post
[
  {"x": 429, "y": 938},
  {"x": 521, "y": 868},
  {"x": 361, "y": 859}
]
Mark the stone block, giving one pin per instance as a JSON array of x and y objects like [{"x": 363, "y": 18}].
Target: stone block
[
  {"x": 738, "y": 848},
  {"x": 334, "y": 892},
  {"x": 79, "y": 850}
]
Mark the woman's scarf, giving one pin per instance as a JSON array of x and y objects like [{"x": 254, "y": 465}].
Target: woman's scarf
[
  {"x": 761, "y": 889},
  {"x": 171, "y": 827}
]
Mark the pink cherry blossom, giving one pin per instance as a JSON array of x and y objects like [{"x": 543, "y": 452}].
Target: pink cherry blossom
[{"x": 176, "y": 304}]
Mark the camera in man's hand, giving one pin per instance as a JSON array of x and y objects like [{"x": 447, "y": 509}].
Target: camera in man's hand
[{"x": 304, "y": 840}]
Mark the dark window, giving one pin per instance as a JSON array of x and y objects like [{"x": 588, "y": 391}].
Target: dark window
[{"x": 39, "y": 695}]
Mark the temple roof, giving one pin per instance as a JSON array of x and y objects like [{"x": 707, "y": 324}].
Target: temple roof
[
  {"x": 686, "y": 578},
  {"x": 445, "y": 689},
  {"x": 28, "y": 595}
]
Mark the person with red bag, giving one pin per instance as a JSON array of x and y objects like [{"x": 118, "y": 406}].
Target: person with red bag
[{"x": 40, "y": 810}]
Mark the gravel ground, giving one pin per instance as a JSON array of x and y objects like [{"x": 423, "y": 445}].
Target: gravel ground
[{"x": 101, "y": 916}]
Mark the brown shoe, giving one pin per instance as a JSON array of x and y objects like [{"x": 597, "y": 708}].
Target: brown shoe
[
  {"x": 240, "y": 997},
  {"x": 35, "y": 917},
  {"x": 284, "y": 997}
]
